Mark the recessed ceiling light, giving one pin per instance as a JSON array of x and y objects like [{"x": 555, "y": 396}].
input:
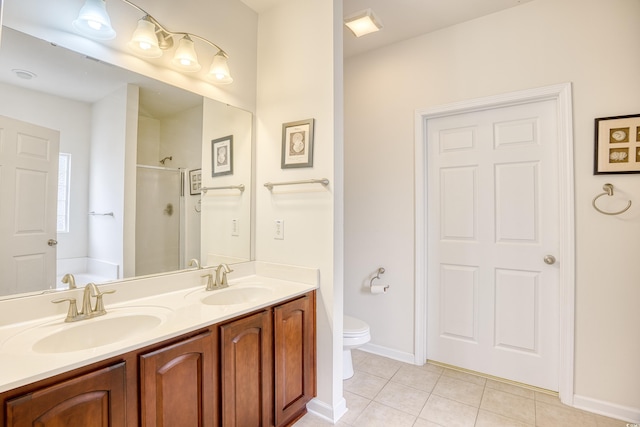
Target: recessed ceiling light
[
  {"x": 24, "y": 74},
  {"x": 363, "y": 22}
]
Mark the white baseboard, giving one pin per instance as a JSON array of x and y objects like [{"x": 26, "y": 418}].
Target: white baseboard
[
  {"x": 388, "y": 352},
  {"x": 607, "y": 409},
  {"x": 327, "y": 412}
]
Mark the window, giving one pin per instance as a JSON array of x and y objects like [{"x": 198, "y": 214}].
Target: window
[{"x": 64, "y": 182}]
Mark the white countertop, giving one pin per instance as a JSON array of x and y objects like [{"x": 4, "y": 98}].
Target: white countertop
[{"x": 172, "y": 298}]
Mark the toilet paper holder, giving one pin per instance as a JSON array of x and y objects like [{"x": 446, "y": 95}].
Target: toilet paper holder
[{"x": 377, "y": 276}]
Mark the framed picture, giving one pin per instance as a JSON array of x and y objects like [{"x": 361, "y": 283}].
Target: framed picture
[
  {"x": 617, "y": 147},
  {"x": 222, "y": 156},
  {"x": 297, "y": 144},
  {"x": 195, "y": 181}
]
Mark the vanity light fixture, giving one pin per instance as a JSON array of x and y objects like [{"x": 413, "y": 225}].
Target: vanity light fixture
[
  {"x": 151, "y": 39},
  {"x": 363, "y": 22}
]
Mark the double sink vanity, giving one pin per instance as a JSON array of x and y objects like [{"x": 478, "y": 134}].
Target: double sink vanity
[{"x": 165, "y": 351}]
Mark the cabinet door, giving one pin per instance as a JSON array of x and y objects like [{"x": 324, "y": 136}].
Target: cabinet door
[
  {"x": 294, "y": 343},
  {"x": 177, "y": 384},
  {"x": 246, "y": 352},
  {"x": 96, "y": 399}
]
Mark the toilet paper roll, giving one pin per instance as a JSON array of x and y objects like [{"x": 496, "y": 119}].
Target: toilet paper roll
[{"x": 379, "y": 289}]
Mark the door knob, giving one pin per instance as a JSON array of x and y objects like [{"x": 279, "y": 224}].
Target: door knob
[
  {"x": 549, "y": 259},
  {"x": 52, "y": 242}
]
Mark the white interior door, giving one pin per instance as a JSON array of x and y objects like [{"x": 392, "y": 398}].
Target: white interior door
[
  {"x": 493, "y": 220},
  {"x": 28, "y": 184}
]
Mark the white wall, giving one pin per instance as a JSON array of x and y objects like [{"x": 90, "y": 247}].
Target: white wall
[
  {"x": 591, "y": 43},
  {"x": 298, "y": 73},
  {"x": 220, "y": 207},
  {"x": 73, "y": 120},
  {"x": 113, "y": 153}
]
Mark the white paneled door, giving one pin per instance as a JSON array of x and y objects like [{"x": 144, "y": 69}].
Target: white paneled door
[
  {"x": 493, "y": 218},
  {"x": 28, "y": 185}
]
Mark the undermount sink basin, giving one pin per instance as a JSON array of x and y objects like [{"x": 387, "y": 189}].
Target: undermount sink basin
[
  {"x": 231, "y": 296},
  {"x": 115, "y": 326}
]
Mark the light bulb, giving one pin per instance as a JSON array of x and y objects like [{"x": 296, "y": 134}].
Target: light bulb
[{"x": 93, "y": 21}]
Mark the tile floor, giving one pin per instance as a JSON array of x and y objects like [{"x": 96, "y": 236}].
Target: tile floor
[{"x": 388, "y": 393}]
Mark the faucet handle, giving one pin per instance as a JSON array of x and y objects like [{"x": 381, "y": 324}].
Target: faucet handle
[
  {"x": 99, "y": 309},
  {"x": 210, "y": 284},
  {"x": 72, "y": 313}
]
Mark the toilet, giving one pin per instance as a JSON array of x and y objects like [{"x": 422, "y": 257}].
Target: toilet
[{"x": 355, "y": 333}]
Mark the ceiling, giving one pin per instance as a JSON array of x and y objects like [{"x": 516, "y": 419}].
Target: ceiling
[
  {"x": 402, "y": 19},
  {"x": 405, "y": 19}
]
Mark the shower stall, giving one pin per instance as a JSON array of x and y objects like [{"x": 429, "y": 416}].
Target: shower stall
[{"x": 159, "y": 220}]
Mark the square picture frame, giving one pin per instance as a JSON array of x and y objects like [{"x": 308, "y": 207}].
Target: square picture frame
[
  {"x": 297, "y": 144},
  {"x": 617, "y": 145},
  {"x": 195, "y": 181},
  {"x": 222, "y": 156}
]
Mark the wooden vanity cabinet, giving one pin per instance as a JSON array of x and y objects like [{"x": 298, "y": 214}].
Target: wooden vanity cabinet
[
  {"x": 246, "y": 355},
  {"x": 294, "y": 358},
  {"x": 95, "y": 399},
  {"x": 178, "y": 383},
  {"x": 252, "y": 371}
]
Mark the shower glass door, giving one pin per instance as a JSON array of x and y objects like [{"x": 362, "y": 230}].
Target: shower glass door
[{"x": 158, "y": 209}]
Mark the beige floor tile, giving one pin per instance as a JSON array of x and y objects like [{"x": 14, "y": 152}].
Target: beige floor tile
[
  {"x": 403, "y": 398},
  {"x": 511, "y": 388},
  {"x": 509, "y": 405},
  {"x": 602, "y": 421},
  {"x": 437, "y": 369},
  {"x": 417, "y": 377},
  {"x": 356, "y": 405},
  {"x": 364, "y": 384},
  {"x": 548, "y": 399},
  {"x": 448, "y": 412},
  {"x": 357, "y": 357},
  {"x": 312, "y": 420},
  {"x": 464, "y": 376},
  {"x": 379, "y": 366},
  {"x": 379, "y": 415},
  {"x": 458, "y": 390},
  {"x": 421, "y": 422},
  {"x": 554, "y": 416},
  {"x": 489, "y": 419}
]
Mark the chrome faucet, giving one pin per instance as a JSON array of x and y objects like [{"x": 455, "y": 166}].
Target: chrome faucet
[
  {"x": 221, "y": 275},
  {"x": 194, "y": 263},
  {"x": 68, "y": 278},
  {"x": 73, "y": 315}
]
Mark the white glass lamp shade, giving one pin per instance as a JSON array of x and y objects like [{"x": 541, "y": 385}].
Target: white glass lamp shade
[
  {"x": 185, "y": 57},
  {"x": 93, "y": 21},
  {"x": 219, "y": 71},
  {"x": 144, "y": 41}
]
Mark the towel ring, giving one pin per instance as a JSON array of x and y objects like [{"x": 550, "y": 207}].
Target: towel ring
[
  {"x": 608, "y": 190},
  {"x": 198, "y": 204}
]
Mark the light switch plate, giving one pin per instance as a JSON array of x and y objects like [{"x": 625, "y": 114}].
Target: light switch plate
[
  {"x": 235, "y": 227},
  {"x": 278, "y": 231}
]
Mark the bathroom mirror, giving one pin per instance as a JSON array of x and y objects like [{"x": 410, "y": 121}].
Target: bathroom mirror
[{"x": 132, "y": 159}]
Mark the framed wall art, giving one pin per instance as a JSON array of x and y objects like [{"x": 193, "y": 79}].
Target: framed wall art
[
  {"x": 297, "y": 144},
  {"x": 222, "y": 156},
  {"x": 195, "y": 181},
  {"x": 617, "y": 145}
]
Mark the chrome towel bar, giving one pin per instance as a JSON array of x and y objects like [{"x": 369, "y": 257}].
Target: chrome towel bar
[
  {"x": 226, "y": 187},
  {"x": 323, "y": 181},
  {"x": 92, "y": 213}
]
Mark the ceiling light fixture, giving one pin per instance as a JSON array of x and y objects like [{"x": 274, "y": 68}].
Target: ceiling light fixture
[
  {"x": 151, "y": 38},
  {"x": 363, "y": 22}
]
